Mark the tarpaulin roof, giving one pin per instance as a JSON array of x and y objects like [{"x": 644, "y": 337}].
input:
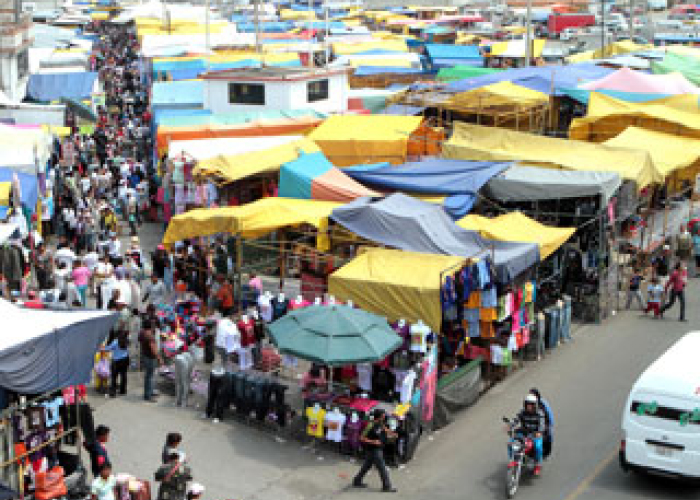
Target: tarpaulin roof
[
  {"x": 534, "y": 76},
  {"x": 23, "y": 147},
  {"x": 612, "y": 49},
  {"x": 230, "y": 168},
  {"x": 517, "y": 48},
  {"x": 354, "y": 139},
  {"x": 251, "y": 220},
  {"x": 406, "y": 223},
  {"x": 312, "y": 176},
  {"x": 380, "y": 70},
  {"x": 444, "y": 55},
  {"x": 496, "y": 94},
  {"x": 54, "y": 86},
  {"x": 584, "y": 96},
  {"x": 460, "y": 72},
  {"x": 432, "y": 176},
  {"x": 29, "y": 191},
  {"x": 402, "y": 110},
  {"x": 201, "y": 149},
  {"x": 52, "y": 349},
  {"x": 629, "y": 80},
  {"x": 340, "y": 48},
  {"x": 608, "y": 117},
  {"x": 183, "y": 93},
  {"x": 515, "y": 226},
  {"x": 669, "y": 152},
  {"x": 686, "y": 65},
  {"x": 533, "y": 183},
  {"x": 394, "y": 283},
  {"x": 474, "y": 142}
]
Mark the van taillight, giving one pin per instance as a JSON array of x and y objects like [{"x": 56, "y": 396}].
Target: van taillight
[{"x": 622, "y": 444}]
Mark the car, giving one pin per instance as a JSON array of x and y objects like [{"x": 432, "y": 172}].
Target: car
[{"x": 568, "y": 34}]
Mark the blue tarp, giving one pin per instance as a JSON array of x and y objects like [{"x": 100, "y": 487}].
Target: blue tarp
[
  {"x": 432, "y": 176},
  {"x": 449, "y": 51},
  {"x": 185, "y": 93},
  {"x": 542, "y": 78},
  {"x": 266, "y": 27},
  {"x": 297, "y": 177},
  {"x": 403, "y": 110},
  {"x": 53, "y": 86},
  {"x": 28, "y": 186},
  {"x": 582, "y": 95}
]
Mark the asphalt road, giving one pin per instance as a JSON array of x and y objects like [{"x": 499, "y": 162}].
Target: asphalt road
[{"x": 587, "y": 382}]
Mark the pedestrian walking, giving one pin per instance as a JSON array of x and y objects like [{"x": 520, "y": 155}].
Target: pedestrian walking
[
  {"x": 104, "y": 486},
  {"x": 655, "y": 294},
  {"x": 676, "y": 284},
  {"x": 696, "y": 252},
  {"x": 374, "y": 438},
  {"x": 119, "y": 347},
  {"x": 150, "y": 358},
  {"x": 173, "y": 440},
  {"x": 633, "y": 292},
  {"x": 173, "y": 477},
  {"x": 97, "y": 449}
]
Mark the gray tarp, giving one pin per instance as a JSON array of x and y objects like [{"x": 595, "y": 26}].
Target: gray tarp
[
  {"x": 456, "y": 391},
  {"x": 42, "y": 350},
  {"x": 533, "y": 183},
  {"x": 401, "y": 221}
]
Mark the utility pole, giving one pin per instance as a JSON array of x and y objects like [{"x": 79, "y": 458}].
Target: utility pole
[{"x": 528, "y": 34}]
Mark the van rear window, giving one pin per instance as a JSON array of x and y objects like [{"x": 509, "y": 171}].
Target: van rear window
[{"x": 684, "y": 417}]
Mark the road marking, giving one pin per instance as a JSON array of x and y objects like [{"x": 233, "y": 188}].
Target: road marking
[{"x": 586, "y": 482}]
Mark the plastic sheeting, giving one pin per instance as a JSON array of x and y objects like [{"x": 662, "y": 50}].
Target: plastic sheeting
[
  {"x": 178, "y": 94},
  {"x": 312, "y": 176},
  {"x": 456, "y": 391},
  {"x": 686, "y": 65},
  {"x": 671, "y": 154},
  {"x": 608, "y": 117},
  {"x": 516, "y": 226},
  {"x": 474, "y": 142},
  {"x": 458, "y": 72},
  {"x": 517, "y": 48},
  {"x": 496, "y": 94},
  {"x": 23, "y": 147},
  {"x": 583, "y": 96},
  {"x": 230, "y": 168},
  {"x": 448, "y": 55},
  {"x": 406, "y": 223},
  {"x": 340, "y": 48},
  {"x": 252, "y": 220},
  {"x": 201, "y": 149},
  {"x": 354, "y": 139},
  {"x": 54, "y": 86},
  {"x": 52, "y": 349},
  {"x": 628, "y": 80},
  {"x": 395, "y": 284},
  {"x": 533, "y": 183},
  {"x": 29, "y": 190}
]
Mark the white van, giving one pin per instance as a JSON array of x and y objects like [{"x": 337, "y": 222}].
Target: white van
[{"x": 661, "y": 421}]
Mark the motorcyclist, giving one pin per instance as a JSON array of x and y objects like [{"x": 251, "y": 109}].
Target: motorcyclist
[
  {"x": 548, "y": 438},
  {"x": 531, "y": 423}
]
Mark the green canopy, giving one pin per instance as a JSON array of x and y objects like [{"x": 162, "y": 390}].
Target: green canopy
[
  {"x": 334, "y": 335},
  {"x": 462, "y": 72},
  {"x": 688, "y": 66}
]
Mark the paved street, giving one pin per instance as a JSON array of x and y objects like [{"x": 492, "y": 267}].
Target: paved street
[{"x": 587, "y": 382}]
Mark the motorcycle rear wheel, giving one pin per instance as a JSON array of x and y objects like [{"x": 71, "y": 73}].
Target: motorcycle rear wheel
[{"x": 512, "y": 481}]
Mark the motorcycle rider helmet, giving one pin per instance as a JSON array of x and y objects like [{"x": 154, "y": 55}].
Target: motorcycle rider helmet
[{"x": 530, "y": 399}]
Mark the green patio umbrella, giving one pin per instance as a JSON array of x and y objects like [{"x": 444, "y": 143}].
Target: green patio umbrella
[{"x": 334, "y": 335}]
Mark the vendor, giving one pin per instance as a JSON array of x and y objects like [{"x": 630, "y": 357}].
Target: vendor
[{"x": 313, "y": 380}]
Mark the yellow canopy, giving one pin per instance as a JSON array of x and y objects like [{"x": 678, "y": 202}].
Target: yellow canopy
[
  {"x": 607, "y": 117},
  {"x": 497, "y": 94},
  {"x": 395, "y": 284},
  {"x": 474, "y": 142},
  {"x": 297, "y": 15},
  {"x": 516, "y": 226},
  {"x": 670, "y": 153},
  {"x": 354, "y": 139},
  {"x": 252, "y": 220},
  {"x": 57, "y": 130},
  {"x": 516, "y": 48},
  {"x": 341, "y": 48},
  {"x": 5, "y": 191},
  {"x": 234, "y": 167},
  {"x": 99, "y": 16},
  {"x": 612, "y": 49}
]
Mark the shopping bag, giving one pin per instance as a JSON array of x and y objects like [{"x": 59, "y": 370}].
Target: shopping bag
[{"x": 50, "y": 485}]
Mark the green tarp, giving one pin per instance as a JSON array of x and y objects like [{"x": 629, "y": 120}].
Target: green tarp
[
  {"x": 688, "y": 66},
  {"x": 462, "y": 72}
]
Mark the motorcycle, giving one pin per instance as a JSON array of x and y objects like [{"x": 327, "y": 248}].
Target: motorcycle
[{"x": 521, "y": 450}]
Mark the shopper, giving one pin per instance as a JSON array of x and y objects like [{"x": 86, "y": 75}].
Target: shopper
[
  {"x": 119, "y": 348},
  {"x": 633, "y": 292},
  {"x": 676, "y": 284},
  {"x": 173, "y": 477},
  {"x": 81, "y": 277},
  {"x": 150, "y": 358},
  {"x": 104, "y": 486},
  {"x": 655, "y": 294},
  {"x": 696, "y": 252},
  {"x": 374, "y": 439},
  {"x": 172, "y": 445},
  {"x": 97, "y": 449}
]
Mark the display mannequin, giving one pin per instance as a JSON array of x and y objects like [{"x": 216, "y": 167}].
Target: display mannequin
[
  {"x": 217, "y": 396},
  {"x": 350, "y": 304},
  {"x": 419, "y": 334},
  {"x": 247, "y": 331},
  {"x": 298, "y": 303},
  {"x": 404, "y": 332},
  {"x": 335, "y": 421},
  {"x": 317, "y": 301},
  {"x": 364, "y": 376},
  {"x": 265, "y": 306},
  {"x": 352, "y": 432},
  {"x": 331, "y": 300},
  {"x": 259, "y": 333},
  {"x": 406, "y": 387},
  {"x": 280, "y": 305},
  {"x": 315, "y": 417}
]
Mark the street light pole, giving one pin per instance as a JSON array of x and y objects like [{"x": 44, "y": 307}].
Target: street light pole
[{"x": 528, "y": 28}]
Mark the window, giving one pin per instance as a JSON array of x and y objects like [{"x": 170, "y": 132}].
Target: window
[
  {"x": 246, "y": 93},
  {"x": 317, "y": 91},
  {"x": 653, "y": 410}
]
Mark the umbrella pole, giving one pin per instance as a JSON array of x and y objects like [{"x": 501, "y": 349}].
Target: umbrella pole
[{"x": 330, "y": 379}]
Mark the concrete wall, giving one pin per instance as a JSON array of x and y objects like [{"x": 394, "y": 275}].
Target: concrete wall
[{"x": 283, "y": 95}]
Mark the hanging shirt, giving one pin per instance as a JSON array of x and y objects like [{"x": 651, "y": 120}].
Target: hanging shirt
[
  {"x": 419, "y": 334},
  {"x": 315, "y": 421},
  {"x": 364, "y": 376},
  {"x": 265, "y": 307},
  {"x": 335, "y": 421},
  {"x": 227, "y": 336},
  {"x": 247, "y": 332},
  {"x": 407, "y": 387}
]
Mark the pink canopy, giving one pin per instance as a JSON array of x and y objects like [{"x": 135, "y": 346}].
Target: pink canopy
[{"x": 629, "y": 80}]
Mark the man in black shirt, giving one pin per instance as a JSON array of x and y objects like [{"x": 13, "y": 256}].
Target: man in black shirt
[{"x": 373, "y": 440}]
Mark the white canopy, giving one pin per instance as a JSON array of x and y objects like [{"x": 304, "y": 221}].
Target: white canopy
[{"x": 201, "y": 149}]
